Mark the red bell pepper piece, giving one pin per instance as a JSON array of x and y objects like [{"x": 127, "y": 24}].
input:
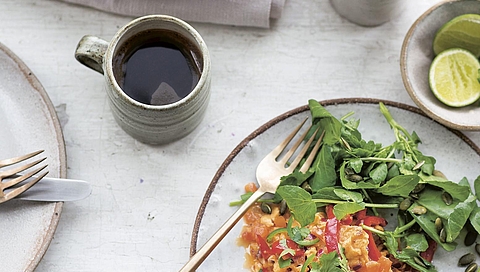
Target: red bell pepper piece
[
  {"x": 329, "y": 211},
  {"x": 331, "y": 234},
  {"x": 374, "y": 221},
  {"x": 373, "y": 251},
  {"x": 428, "y": 254},
  {"x": 347, "y": 220},
  {"x": 265, "y": 250},
  {"x": 361, "y": 214}
]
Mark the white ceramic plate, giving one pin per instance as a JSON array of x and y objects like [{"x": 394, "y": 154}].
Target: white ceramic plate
[
  {"x": 456, "y": 156},
  {"x": 417, "y": 55},
  {"x": 28, "y": 122}
]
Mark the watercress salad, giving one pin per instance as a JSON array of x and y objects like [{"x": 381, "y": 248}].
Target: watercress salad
[{"x": 354, "y": 174}]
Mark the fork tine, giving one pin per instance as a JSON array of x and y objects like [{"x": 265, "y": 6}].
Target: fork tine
[
  {"x": 300, "y": 155},
  {"x": 15, "y": 192},
  {"x": 7, "y": 162},
  {"x": 278, "y": 150},
  {"x": 14, "y": 171},
  {"x": 313, "y": 154},
  {"x": 23, "y": 177}
]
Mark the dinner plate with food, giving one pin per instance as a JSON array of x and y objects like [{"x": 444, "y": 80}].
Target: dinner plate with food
[{"x": 390, "y": 190}]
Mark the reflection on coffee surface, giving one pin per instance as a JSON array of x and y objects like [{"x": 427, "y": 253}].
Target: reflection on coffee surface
[{"x": 159, "y": 68}]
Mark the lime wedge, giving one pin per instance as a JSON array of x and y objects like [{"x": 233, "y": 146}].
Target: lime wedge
[
  {"x": 460, "y": 32},
  {"x": 453, "y": 77}
]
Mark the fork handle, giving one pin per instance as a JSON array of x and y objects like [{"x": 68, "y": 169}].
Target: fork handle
[{"x": 197, "y": 259}]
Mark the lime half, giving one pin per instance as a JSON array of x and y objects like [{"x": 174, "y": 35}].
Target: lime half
[
  {"x": 453, "y": 77},
  {"x": 461, "y": 32}
]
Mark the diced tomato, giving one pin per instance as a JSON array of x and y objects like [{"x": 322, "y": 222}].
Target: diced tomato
[
  {"x": 280, "y": 222},
  {"x": 250, "y": 187}
]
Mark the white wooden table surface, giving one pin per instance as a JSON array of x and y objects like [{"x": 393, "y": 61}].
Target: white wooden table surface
[{"x": 144, "y": 201}]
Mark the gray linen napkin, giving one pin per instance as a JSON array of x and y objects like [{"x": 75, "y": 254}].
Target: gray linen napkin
[{"x": 255, "y": 13}]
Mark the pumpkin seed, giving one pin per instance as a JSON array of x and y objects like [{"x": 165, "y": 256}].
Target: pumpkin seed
[
  {"x": 477, "y": 248},
  {"x": 418, "y": 165},
  {"x": 405, "y": 204},
  {"x": 266, "y": 208},
  {"x": 438, "y": 224},
  {"x": 419, "y": 210},
  {"x": 345, "y": 143},
  {"x": 470, "y": 238},
  {"x": 414, "y": 196},
  {"x": 283, "y": 207},
  {"x": 418, "y": 188},
  {"x": 447, "y": 198},
  {"x": 466, "y": 259},
  {"x": 443, "y": 235},
  {"x": 355, "y": 178},
  {"x": 305, "y": 186},
  {"x": 349, "y": 171},
  {"x": 420, "y": 262},
  {"x": 471, "y": 267},
  {"x": 437, "y": 173}
]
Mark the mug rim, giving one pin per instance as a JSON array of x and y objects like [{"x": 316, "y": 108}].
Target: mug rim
[{"x": 200, "y": 43}]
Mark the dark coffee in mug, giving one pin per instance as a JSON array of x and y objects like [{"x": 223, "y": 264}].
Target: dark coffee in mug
[{"x": 158, "y": 67}]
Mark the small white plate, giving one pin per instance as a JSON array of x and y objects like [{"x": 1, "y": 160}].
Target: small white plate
[
  {"x": 416, "y": 57},
  {"x": 28, "y": 122},
  {"x": 456, "y": 155}
]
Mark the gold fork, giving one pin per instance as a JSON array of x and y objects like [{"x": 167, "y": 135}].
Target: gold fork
[
  {"x": 11, "y": 177},
  {"x": 269, "y": 172}
]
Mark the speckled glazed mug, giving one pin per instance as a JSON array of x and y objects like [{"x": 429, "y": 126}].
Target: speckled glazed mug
[{"x": 149, "y": 123}]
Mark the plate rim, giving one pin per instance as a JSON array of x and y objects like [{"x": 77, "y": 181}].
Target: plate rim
[
  {"x": 57, "y": 209},
  {"x": 285, "y": 115}
]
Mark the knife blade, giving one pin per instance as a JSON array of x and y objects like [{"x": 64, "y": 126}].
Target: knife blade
[{"x": 57, "y": 189}]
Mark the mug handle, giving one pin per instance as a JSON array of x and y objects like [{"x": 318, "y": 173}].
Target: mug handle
[{"x": 91, "y": 51}]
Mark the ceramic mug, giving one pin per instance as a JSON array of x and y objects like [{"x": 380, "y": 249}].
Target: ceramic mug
[
  {"x": 368, "y": 12},
  {"x": 151, "y": 121}
]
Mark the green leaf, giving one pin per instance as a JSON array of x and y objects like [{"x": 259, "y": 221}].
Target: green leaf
[
  {"x": 379, "y": 173},
  {"x": 459, "y": 217},
  {"x": 327, "y": 193},
  {"x": 399, "y": 186},
  {"x": 331, "y": 125},
  {"x": 427, "y": 223},
  {"x": 350, "y": 185},
  {"x": 405, "y": 255},
  {"x": 295, "y": 178},
  {"x": 417, "y": 241},
  {"x": 454, "y": 189},
  {"x": 432, "y": 200},
  {"x": 476, "y": 186},
  {"x": 329, "y": 262},
  {"x": 356, "y": 164},
  {"x": 343, "y": 209},
  {"x": 324, "y": 167},
  {"x": 300, "y": 203},
  {"x": 393, "y": 172},
  {"x": 475, "y": 219},
  {"x": 348, "y": 195}
]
